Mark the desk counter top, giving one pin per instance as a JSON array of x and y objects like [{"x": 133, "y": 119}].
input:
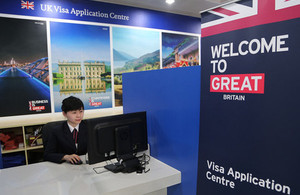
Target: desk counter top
[{"x": 48, "y": 178}]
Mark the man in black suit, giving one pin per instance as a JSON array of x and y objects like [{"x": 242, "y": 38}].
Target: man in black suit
[{"x": 67, "y": 140}]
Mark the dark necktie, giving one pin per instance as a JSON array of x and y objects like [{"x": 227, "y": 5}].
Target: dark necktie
[{"x": 75, "y": 135}]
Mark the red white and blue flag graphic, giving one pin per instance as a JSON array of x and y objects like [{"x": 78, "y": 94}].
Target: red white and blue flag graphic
[
  {"x": 27, "y": 5},
  {"x": 250, "y": 13}
]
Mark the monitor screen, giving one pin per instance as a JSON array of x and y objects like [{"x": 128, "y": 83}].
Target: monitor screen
[{"x": 116, "y": 136}]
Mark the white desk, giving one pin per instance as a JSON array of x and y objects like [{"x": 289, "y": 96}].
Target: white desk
[{"x": 47, "y": 178}]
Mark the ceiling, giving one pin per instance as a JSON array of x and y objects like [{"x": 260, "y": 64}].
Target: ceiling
[{"x": 182, "y": 7}]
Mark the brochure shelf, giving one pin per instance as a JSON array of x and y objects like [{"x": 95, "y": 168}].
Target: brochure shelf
[{"x": 19, "y": 141}]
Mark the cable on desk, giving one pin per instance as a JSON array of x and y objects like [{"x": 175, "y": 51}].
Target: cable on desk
[
  {"x": 144, "y": 160},
  {"x": 105, "y": 170}
]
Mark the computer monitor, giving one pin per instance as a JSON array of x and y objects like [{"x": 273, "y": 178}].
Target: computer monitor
[{"x": 118, "y": 136}]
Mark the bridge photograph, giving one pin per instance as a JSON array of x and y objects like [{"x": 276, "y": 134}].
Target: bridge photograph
[{"x": 24, "y": 68}]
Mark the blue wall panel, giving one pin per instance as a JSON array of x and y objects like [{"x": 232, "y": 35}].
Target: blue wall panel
[
  {"x": 1, "y": 161},
  {"x": 171, "y": 98}
]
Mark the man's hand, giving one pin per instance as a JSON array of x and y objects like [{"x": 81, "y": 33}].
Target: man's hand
[{"x": 72, "y": 158}]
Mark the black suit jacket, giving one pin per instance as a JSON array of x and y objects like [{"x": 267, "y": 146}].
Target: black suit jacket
[{"x": 58, "y": 141}]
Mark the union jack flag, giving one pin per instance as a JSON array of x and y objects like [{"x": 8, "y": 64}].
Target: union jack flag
[
  {"x": 247, "y": 13},
  {"x": 27, "y": 5}
]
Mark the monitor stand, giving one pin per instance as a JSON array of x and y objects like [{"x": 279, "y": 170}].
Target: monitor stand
[{"x": 131, "y": 165}]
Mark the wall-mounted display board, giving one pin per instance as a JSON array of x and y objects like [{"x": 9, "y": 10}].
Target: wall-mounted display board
[
  {"x": 81, "y": 64},
  {"x": 179, "y": 50},
  {"x": 55, "y": 49},
  {"x": 24, "y": 67},
  {"x": 249, "y": 130},
  {"x": 134, "y": 50}
]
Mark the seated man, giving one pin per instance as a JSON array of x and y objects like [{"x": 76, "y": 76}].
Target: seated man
[{"x": 67, "y": 140}]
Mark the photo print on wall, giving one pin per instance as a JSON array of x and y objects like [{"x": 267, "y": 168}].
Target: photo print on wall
[
  {"x": 133, "y": 50},
  {"x": 24, "y": 70},
  {"x": 179, "y": 50},
  {"x": 81, "y": 64}
]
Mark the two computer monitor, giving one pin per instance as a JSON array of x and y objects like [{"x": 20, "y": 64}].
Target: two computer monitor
[{"x": 118, "y": 136}]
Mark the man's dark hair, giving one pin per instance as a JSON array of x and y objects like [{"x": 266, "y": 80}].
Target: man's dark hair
[{"x": 71, "y": 103}]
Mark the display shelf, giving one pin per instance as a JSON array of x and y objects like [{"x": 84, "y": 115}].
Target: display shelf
[
  {"x": 35, "y": 155},
  {"x": 34, "y": 147},
  {"x": 12, "y": 151},
  {"x": 33, "y": 136},
  {"x": 16, "y": 137}
]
